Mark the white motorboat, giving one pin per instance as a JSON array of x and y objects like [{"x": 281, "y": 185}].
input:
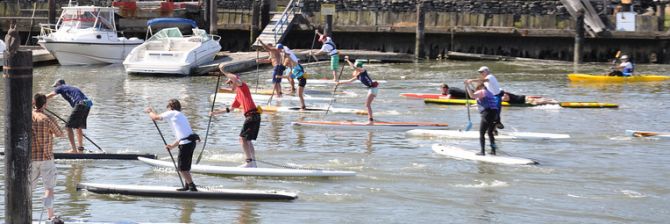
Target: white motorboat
[
  {"x": 169, "y": 51},
  {"x": 86, "y": 35}
]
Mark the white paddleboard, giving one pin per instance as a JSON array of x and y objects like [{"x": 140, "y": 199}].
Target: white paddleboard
[
  {"x": 229, "y": 97},
  {"x": 314, "y": 109},
  {"x": 634, "y": 133},
  {"x": 459, "y": 153},
  {"x": 322, "y": 81},
  {"x": 171, "y": 192},
  {"x": 475, "y": 134},
  {"x": 378, "y": 125},
  {"x": 238, "y": 171}
]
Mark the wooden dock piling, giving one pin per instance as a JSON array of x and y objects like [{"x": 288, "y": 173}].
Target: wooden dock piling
[
  {"x": 419, "y": 52},
  {"x": 579, "y": 39},
  {"x": 18, "y": 75}
]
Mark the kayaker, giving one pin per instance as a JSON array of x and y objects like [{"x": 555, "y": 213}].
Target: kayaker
[
  {"x": 523, "y": 99},
  {"x": 492, "y": 86},
  {"x": 185, "y": 139},
  {"x": 44, "y": 128},
  {"x": 452, "y": 92},
  {"x": 252, "y": 114},
  {"x": 362, "y": 75},
  {"x": 296, "y": 72},
  {"x": 329, "y": 48},
  {"x": 277, "y": 65},
  {"x": 488, "y": 108},
  {"x": 623, "y": 69},
  {"x": 81, "y": 106}
]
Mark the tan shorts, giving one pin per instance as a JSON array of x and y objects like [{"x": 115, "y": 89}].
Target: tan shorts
[{"x": 45, "y": 169}]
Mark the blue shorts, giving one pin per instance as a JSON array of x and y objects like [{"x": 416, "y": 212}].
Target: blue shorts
[{"x": 277, "y": 73}]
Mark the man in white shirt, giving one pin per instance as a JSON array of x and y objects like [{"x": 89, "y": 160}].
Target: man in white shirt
[
  {"x": 329, "y": 48},
  {"x": 492, "y": 86}
]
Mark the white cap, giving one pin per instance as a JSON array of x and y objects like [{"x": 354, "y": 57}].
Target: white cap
[
  {"x": 483, "y": 68},
  {"x": 624, "y": 57}
]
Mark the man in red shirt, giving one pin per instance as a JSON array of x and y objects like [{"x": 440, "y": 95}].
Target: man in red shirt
[{"x": 252, "y": 121}]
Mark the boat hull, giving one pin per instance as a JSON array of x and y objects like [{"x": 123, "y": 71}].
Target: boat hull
[{"x": 86, "y": 53}]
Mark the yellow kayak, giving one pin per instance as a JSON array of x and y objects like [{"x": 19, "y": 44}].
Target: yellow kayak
[
  {"x": 562, "y": 104},
  {"x": 605, "y": 78}
]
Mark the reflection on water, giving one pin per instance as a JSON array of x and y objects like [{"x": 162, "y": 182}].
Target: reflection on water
[{"x": 400, "y": 179}]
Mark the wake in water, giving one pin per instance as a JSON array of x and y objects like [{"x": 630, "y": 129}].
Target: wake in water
[{"x": 484, "y": 184}]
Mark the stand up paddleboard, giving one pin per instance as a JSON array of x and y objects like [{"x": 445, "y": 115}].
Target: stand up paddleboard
[
  {"x": 171, "y": 192},
  {"x": 507, "y": 104},
  {"x": 229, "y": 97},
  {"x": 113, "y": 156},
  {"x": 238, "y": 171},
  {"x": 378, "y": 125},
  {"x": 314, "y": 110},
  {"x": 423, "y": 95},
  {"x": 460, "y": 153},
  {"x": 458, "y": 134},
  {"x": 648, "y": 134}
]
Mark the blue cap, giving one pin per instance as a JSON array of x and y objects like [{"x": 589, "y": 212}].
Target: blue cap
[
  {"x": 58, "y": 82},
  {"x": 280, "y": 46}
]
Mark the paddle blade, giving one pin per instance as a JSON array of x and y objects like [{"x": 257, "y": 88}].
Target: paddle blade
[{"x": 469, "y": 126}]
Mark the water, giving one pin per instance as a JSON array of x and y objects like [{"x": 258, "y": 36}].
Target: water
[{"x": 597, "y": 176}]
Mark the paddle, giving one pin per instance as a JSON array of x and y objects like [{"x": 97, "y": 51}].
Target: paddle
[
  {"x": 218, "y": 80},
  {"x": 258, "y": 74},
  {"x": 334, "y": 90},
  {"x": 310, "y": 49},
  {"x": 91, "y": 141},
  {"x": 171, "y": 157},
  {"x": 616, "y": 57},
  {"x": 467, "y": 106}
]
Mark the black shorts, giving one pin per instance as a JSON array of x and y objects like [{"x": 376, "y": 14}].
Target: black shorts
[
  {"x": 252, "y": 124},
  {"x": 78, "y": 117},
  {"x": 185, "y": 156},
  {"x": 302, "y": 81}
]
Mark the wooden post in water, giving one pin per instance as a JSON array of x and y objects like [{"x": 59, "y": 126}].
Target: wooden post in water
[
  {"x": 579, "y": 39},
  {"x": 419, "y": 52},
  {"x": 18, "y": 76},
  {"x": 661, "y": 15},
  {"x": 328, "y": 29},
  {"x": 255, "y": 20},
  {"x": 265, "y": 13},
  {"x": 52, "y": 12},
  {"x": 213, "y": 27}
]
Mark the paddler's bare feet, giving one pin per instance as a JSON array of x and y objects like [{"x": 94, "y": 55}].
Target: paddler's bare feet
[
  {"x": 248, "y": 164},
  {"x": 371, "y": 122},
  {"x": 72, "y": 151}
]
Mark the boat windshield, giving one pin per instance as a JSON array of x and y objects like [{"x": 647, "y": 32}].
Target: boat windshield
[
  {"x": 166, "y": 33},
  {"x": 201, "y": 33},
  {"x": 85, "y": 18}
]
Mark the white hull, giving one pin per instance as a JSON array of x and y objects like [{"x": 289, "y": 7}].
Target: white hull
[
  {"x": 323, "y": 81},
  {"x": 202, "y": 193},
  {"x": 237, "y": 171},
  {"x": 457, "y": 134},
  {"x": 460, "y": 153},
  {"x": 320, "y": 109},
  {"x": 170, "y": 66},
  {"x": 86, "y": 53}
]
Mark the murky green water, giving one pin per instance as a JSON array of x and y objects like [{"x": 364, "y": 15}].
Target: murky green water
[{"x": 597, "y": 176}]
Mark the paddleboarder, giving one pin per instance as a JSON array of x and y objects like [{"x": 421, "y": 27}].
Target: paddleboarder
[
  {"x": 492, "y": 86},
  {"x": 523, "y": 99},
  {"x": 488, "y": 108},
  {"x": 452, "y": 92},
  {"x": 623, "y": 69},
  {"x": 81, "y": 106},
  {"x": 296, "y": 71},
  {"x": 329, "y": 48},
  {"x": 252, "y": 114},
  {"x": 362, "y": 75},
  {"x": 277, "y": 64},
  {"x": 184, "y": 139},
  {"x": 44, "y": 128}
]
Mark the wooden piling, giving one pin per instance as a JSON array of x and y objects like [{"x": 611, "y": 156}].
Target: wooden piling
[
  {"x": 579, "y": 39},
  {"x": 255, "y": 20},
  {"x": 52, "y": 12},
  {"x": 18, "y": 75},
  {"x": 213, "y": 27},
  {"x": 328, "y": 29},
  {"x": 661, "y": 16},
  {"x": 419, "y": 52},
  {"x": 265, "y": 13}
]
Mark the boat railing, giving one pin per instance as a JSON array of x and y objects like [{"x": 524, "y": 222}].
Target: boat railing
[
  {"x": 290, "y": 10},
  {"x": 47, "y": 29}
]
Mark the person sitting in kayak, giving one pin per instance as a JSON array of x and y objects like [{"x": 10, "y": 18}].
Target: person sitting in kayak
[
  {"x": 452, "y": 92},
  {"x": 523, "y": 99},
  {"x": 488, "y": 108},
  {"x": 623, "y": 69},
  {"x": 362, "y": 75}
]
